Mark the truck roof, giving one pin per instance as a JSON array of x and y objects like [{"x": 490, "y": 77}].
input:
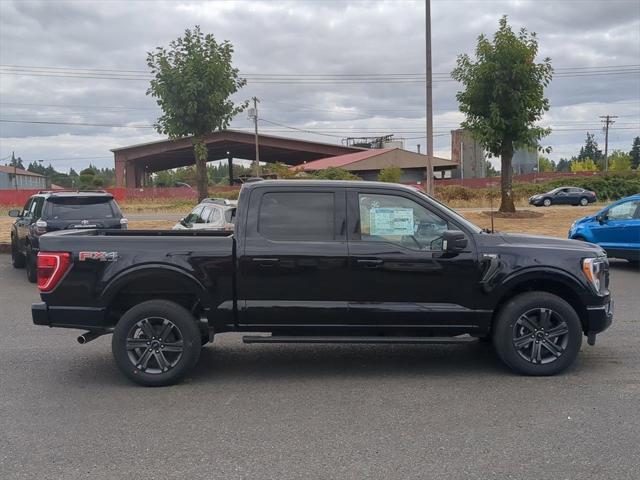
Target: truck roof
[{"x": 326, "y": 183}]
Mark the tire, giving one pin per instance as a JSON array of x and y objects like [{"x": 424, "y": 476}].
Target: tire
[
  {"x": 17, "y": 259},
  {"x": 584, "y": 201},
  {"x": 531, "y": 341},
  {"x": 170, "y": 329},
  {"x": 32, "y": 268},
  {"x": 547, "y": 202}
]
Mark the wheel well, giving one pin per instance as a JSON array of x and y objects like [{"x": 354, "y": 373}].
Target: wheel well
[
  {"x": 173, "y": 287},
  {"x": 549, "y": 286}
]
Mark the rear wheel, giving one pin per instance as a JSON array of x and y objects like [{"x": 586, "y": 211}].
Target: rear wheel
[
  {"x": 584, "y": 201},
  {"x": 17, "y": 258},
  {"x": 537, "y": 333},
  {"x": 32, "y": 270},
  {"x": 156, "y": 343},
  {"x": 547, "y": 202}
]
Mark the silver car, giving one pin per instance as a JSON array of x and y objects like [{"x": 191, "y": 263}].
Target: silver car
[{"x": 210, "y": 214}]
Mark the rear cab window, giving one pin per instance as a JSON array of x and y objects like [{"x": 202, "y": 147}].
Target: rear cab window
[{"x": 301, "y": 216}]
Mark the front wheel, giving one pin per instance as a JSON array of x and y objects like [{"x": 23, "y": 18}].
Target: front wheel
[
  {"x": 156, "y": 343},
  {"x": 584, "y": 202},
  {"x": 547, "y": 202},
  {"x": 537, "y": 333},
  {"x": 17, "y": 258}
]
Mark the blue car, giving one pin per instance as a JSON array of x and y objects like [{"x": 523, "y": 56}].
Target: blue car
[{"x": 615, "y": 228}]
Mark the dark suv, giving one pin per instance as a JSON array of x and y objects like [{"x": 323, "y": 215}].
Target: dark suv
[{"x": 48, "y": 211}]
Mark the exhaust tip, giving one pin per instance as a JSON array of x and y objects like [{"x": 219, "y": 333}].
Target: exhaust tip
[{"x": 87, "y": 337}]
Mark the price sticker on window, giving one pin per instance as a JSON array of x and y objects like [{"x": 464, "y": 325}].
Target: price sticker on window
[{"x": 391, "y": 221}]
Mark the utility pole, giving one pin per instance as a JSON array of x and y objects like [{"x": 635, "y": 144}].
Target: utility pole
[
  {"x": 254, "y": 115},
  {"x": 15, "y": 169},
  {"x": 429, "y": 175},
  {"x": 607, "y": 120}
]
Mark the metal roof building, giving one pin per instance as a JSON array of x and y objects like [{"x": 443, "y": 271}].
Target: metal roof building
[{"x": 368, "y": 163}]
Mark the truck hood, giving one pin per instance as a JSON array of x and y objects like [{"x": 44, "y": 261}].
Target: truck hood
[{"x": 542, "y": 242}]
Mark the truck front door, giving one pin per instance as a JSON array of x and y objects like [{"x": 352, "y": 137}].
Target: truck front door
[
  {"x": 293, "y": 258},
  {"x": 400, "y": 275}
]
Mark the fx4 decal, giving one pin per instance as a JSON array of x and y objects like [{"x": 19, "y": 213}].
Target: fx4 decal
[{"x": 98, "y": 256}]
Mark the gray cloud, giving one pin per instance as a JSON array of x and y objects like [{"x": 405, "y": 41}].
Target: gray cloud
[{"x": 302, "y": 37}]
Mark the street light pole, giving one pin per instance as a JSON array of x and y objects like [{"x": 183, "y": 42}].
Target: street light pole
[{"x": 256, "y": 165}]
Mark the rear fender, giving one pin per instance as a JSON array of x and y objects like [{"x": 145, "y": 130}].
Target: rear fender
[{"x": 150, "y": 274}]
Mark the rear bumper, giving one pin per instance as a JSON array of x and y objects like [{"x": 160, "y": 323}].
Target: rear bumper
[
  {"x": 599, "y": 318},
  {"x": 68, "y": 317}
]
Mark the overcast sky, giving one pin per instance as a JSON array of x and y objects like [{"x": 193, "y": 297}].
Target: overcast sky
[{"x": 594, "y": 47}]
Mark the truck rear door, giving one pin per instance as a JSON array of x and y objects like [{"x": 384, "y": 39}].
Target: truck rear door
[{"x": 293, "y": 258}]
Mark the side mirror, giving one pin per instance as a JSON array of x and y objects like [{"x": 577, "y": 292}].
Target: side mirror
[
  {"x": 602, "y": 218},
  {"x": 454, "y": 241},
  {"x": 14, "y": 213}
]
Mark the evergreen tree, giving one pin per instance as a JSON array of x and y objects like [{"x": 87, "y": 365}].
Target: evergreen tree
[
  {"x": 635, "y": 153},
  {"x": 591, "y": 150},
  {"x": 564, "y": 165}
]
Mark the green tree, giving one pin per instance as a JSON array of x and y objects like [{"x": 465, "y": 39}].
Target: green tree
[
  {"x": 335, "y": 173},
  {"x": 16, "y": 162},
  {"x": 635, "y": 153},
  {"x": 503, "y": 97},
  {"x": 193, "y": 80},
  {"x": 619, "y": 161},
  {"x": 390, "y": 174},
  {"x": 563, "y": 165},
  {"x": 546, "y": 165},
  {"x": 590, "y": 150},
  {"x": 585, "y": 165}
]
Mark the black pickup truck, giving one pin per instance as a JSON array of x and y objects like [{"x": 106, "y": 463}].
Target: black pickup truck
[{"x": 325, "y": 262}]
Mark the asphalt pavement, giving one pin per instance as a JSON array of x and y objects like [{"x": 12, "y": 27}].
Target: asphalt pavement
[{"x": 314, "y": 411}]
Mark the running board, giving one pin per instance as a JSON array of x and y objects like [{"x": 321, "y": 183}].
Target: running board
[{"x": 384, "y": 340}]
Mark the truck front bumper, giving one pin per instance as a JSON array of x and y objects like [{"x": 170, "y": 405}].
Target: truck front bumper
[
  {"x": 91, "y": 318},
  {"x": 599, "y": 318}
]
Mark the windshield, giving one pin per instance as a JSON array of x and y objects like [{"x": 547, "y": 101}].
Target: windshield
[
  {"x": 456, "y": 216},
  {"x": 80, "y": 208}
]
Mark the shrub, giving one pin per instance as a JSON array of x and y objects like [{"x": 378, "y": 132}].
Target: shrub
[{"x": 390, "y": 174}]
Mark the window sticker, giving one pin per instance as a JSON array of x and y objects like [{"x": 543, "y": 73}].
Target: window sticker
[{"x": 391, "y": 221}]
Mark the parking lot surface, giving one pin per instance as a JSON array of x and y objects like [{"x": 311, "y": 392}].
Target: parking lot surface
[{"x": 314, "y": 411}]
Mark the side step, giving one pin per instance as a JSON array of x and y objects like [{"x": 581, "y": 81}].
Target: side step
[{"x": 347, "y": 339}]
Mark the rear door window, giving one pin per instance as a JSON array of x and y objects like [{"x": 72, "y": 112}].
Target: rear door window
[
  {"x": 79, "y": 208},
  {"x": 297, "y": 216}
]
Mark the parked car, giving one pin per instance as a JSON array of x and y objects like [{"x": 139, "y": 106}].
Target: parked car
[
  {"x": 210, "y": 214},
  {"x": 325, "y": 262},
  {"x": 48, "y": 211},
  {"x": 564, "y": 196},
  {"x": 615, "y": 228}
]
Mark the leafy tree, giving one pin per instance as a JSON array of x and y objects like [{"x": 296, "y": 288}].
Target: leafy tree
[
  {"x": 563, "y": 165},
  {"x": 619, "y": 161},
  {"x": 591, "y": 150},
  {"x": 546, "y": 165},
  {"x": 335, "y": 173},
  {"x": 390, "y": 174},
  {"x": 193, "y": 80},
  {"x": 586, "y": 165},
  {"x": 635, "y": 153},
  {"x": 503, "y": 97}
]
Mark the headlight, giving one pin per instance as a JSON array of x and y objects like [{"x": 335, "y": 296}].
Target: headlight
[{"x": 595, "y": 270}]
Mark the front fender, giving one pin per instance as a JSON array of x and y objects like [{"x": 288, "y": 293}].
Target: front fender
[{"x": 525, "y": 276}]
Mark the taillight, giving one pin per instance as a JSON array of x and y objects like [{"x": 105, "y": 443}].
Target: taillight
[
  {"x": 41, "y": 227},
  {"x": 51, "y": 267},
  {"x": 124, "y": 223}
]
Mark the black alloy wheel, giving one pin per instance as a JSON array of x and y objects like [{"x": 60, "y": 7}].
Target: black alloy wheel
[
  {"x": 540, "y": 336},
  {"x": 537, "y": 333},
  {"x": 156, "y": 343}
]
